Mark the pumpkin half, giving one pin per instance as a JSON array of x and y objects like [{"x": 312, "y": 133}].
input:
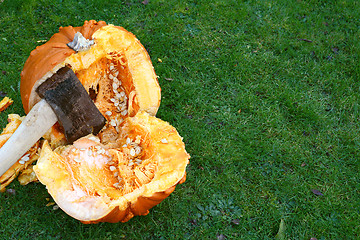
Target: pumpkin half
[
  {"x": 137, "y": 159},
  {"x": 93, "y": 182},
  {"x": 116, "y": 54}
]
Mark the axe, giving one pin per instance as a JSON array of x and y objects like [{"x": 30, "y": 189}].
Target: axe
[{"x": 64, "y": 99}]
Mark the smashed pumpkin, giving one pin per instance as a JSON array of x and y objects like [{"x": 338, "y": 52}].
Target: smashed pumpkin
[{"x": 137, "y": 159}]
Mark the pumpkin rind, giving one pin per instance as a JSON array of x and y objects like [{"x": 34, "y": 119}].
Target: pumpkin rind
[{"x": 45, "y": 57}]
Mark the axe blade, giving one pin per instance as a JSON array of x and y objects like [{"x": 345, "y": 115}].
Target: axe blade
[
  {"x": 71, "y": 103},
  {"x": 64, "y": 100}
]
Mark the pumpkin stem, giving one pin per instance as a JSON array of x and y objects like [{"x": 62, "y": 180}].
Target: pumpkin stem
[{"x": 80, "y": 43}]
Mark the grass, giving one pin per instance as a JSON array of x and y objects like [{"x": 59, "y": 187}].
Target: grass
[{"x": 265, "y": 93}]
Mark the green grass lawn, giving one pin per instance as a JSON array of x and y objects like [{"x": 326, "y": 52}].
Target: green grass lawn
[{"x": 266, "y": 95}]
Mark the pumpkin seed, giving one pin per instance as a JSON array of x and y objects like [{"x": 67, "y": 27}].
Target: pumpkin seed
[
  {"x": 124, "y": 113},
  {"x": 132, "y": 152},
  {"x": 137, "y": 150},
  {"x": 25, "y": 158}
]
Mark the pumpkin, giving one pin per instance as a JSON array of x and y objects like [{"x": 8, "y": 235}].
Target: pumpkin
[{"x": 137, "y": 159}]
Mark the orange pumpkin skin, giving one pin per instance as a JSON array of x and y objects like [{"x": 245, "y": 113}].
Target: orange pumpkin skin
[
  {"x": 47, "y": 56},
  {"x": 140, "y": 85}
]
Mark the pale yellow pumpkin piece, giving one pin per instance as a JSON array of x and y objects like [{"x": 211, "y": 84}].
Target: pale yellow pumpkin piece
[
  {"x": 25, "y": 161},
  {"x": 4, "y": 103}
]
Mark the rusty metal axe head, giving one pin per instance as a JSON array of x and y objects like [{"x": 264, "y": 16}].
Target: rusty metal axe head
[{"x": 74, "y": 108}]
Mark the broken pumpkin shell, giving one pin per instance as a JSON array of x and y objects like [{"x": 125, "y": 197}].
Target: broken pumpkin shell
[
  {"x": 4, "y": 103},
  {"x": 93, "y": 183},
  {"x": 116, "y": 52}
]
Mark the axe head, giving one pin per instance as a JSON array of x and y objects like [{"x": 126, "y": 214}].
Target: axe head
[{"x": 75, "y": 110}]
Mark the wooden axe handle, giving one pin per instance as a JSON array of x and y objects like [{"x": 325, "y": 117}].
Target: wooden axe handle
[{"x": 39, "y": 120}]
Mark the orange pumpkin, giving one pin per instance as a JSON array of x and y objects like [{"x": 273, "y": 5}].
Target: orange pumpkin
[{"x": 137, "y": 159}]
